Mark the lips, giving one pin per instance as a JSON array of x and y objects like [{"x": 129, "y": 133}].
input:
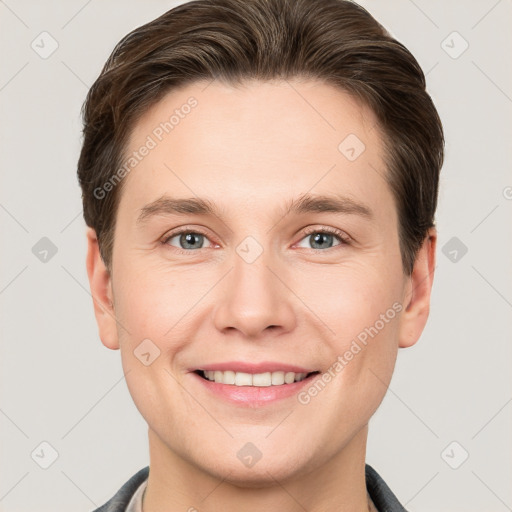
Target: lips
[
  {"x": 249, "y": 393},
  {"x": 263, "y": 374}
]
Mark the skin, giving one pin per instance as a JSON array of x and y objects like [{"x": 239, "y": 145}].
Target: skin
[{"x": 250, "y": 150}]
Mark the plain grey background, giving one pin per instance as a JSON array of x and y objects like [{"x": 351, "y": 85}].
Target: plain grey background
[{"x": 441, "y": 438}]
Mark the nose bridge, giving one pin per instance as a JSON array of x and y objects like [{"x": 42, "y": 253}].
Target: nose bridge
[
  {"x": 253, "y": 297},
  {"x": 251, "y": 274}
]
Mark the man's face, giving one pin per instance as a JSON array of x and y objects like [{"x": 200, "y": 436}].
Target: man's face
[{"x": 257, "y": 286}]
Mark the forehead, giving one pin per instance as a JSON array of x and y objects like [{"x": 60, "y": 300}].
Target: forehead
[
  {"x": 262, "y": 108},
  {"x": 260, "y": 139}
]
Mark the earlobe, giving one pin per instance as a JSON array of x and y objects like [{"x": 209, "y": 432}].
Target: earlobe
[
  {"x": 417, "y": 296},
  {"x": 101, "y": 289}
]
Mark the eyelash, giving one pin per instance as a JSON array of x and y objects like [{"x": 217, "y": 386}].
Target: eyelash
[{"x": 341, "y": 235}]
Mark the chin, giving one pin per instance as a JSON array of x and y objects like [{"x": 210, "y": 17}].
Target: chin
[
  {"x": 282, "y": 465},
  {"x": 260, "y": 475}
]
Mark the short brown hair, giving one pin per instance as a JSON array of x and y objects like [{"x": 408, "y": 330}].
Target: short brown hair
[{"x": 336, "y": 41}]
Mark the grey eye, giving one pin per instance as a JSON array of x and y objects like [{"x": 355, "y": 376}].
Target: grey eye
[
  {"x": 321, "y": 240},
  {"x": 187, "y": 240}
]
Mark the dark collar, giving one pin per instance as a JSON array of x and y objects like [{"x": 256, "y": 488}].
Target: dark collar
[{"x": 379, "y": 492}]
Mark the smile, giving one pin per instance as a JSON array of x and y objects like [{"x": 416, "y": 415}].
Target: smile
[{"x": 265, "y": 379}]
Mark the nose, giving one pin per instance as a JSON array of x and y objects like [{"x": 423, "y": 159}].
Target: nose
[{"x": 255, "y": 299}]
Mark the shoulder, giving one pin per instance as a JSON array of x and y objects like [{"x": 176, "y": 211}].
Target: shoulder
[
  {"x": 120, "y": 500},
  {"x": 380, "y": 493}
]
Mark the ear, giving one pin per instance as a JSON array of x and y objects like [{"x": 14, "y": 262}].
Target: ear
[
  {"x": 417, "y": 295},
  {"x": 101, "y": 289}
]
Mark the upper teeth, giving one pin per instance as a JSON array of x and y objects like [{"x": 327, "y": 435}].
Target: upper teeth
[{"x": 253, "y": 379}]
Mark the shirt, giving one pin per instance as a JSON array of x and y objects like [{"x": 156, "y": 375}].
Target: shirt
[{"x": 129, "y": 497}]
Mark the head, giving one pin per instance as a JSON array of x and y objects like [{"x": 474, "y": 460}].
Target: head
[{"x": 226, "y": 144}]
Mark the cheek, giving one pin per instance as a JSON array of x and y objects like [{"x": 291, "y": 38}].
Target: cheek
[
  {"x": 349, "y": 299},
  {"x": 149, "y": 303},
  {"x": 158, "y": 310},
  {"x": 360, "y": 307}
]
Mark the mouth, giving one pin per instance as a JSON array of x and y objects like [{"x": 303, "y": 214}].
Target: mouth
[
  {"x": 265, "y": 379},
  {"x": 252, "y": 384}
]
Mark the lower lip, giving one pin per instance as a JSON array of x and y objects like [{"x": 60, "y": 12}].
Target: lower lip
[{"x": 253, "y": 395}]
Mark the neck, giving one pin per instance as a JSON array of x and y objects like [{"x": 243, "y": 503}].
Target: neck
[{"x": 337, "y": 485}]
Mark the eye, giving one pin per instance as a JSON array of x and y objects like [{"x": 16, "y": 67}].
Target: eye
[
  {"x": 323, "y": 238},
  {"x": 187, "y": 240}
]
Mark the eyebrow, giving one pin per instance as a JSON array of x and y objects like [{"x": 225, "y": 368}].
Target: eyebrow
[{"x": 306, "y": 203}]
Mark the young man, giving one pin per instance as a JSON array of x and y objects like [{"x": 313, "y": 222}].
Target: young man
[{"x": 260, "y": 182}]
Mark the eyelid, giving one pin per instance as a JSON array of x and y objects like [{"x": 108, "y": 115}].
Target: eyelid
[
  {"x": 184, "y": 229},
  {"x": 181, "y": 230},
  {"x": 343, "y": 237}
]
